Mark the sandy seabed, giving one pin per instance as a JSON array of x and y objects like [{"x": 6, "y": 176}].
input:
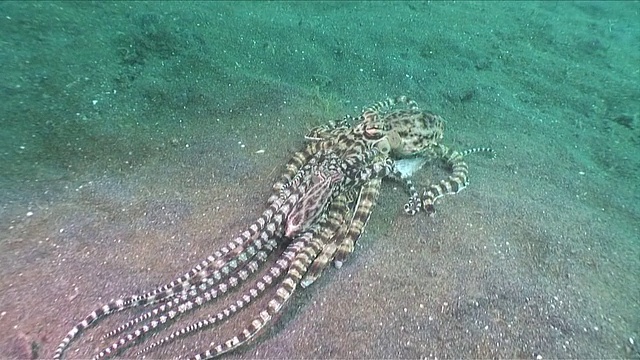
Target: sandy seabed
[{"x": 137, "y": 138}]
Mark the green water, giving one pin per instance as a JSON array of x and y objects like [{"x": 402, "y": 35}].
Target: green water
[{"x": 135, "y": 138}]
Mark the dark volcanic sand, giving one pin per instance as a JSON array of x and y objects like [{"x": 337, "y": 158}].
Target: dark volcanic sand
[{"x": 130, "y": 137}]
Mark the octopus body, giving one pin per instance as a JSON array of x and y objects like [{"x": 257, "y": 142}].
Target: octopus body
[{"x": 315, "y": 215}]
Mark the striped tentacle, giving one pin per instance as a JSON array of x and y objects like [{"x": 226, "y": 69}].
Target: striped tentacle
[
  {"x": 198, "y": 300},
  {"x": 330, "y": 130},
  {"x": 302, "y": 160},
  {"x": 415, "y": 203},
  {"x": 368, "y": 178},
  {"x": 457, "y": 181},
  {"x": 293, "y": 201},
  {"x": 297, "y": 161},
  {"x": 217, "y": 266},
  {"x": 274, "y": 274},
  {"x": 192, "y": 299},
  {"x": 197, "y": 293},
  {"x": 266, "y": 243},
  {"x": 371, "y": 112},
  {"x": 336, "y": 220},
  {"x": 313, "y": 240},
  {"x": 364, "y": 206},
  {"x": 316, "y": 142},
  {"x": 269, "y": 279},
  {"x": 283, "y": 294},
  {"x": 381, "y": 168},
  {"x": 345, "y": 146},
  {"x": 314, "y": 163},
  {"x": 390, "y": 102},
  {"x": 477, "y": 150},
  {"x": 306, "y": 210}
]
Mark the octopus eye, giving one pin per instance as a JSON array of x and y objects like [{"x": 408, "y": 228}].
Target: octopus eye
[
  {"x": 383, "y": 146},
  {"x": 372, "y": 132}
]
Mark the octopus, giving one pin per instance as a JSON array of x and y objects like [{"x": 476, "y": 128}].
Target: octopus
[{"x": 316, "y": 213}]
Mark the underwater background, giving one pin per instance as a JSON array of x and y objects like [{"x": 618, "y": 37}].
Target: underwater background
[{"x": 138, "y": 137}]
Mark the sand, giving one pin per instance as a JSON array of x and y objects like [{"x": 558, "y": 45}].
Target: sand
[{"x": 137, "y": 138}]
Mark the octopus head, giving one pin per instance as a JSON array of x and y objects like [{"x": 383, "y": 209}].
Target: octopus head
[{"x": 414, "y": 131}]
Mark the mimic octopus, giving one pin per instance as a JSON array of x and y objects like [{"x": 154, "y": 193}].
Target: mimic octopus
[{"x": 316, "y": 213}]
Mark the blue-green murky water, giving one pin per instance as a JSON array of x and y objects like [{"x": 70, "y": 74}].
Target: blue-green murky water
[{"x": 136, "y": 138}]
